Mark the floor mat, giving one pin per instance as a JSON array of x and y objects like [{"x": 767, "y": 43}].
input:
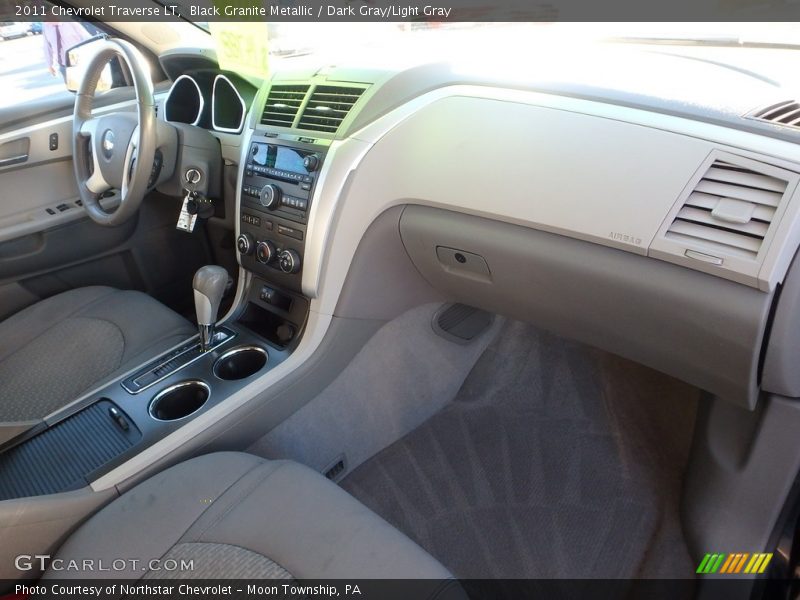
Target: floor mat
[
  {"x": 553, "y": 460},
  {"x": 402, "y": 376}
]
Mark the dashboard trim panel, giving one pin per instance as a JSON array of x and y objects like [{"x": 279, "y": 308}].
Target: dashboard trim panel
[
  {"x": 346, "y": 156},
  {"x": 202, "y": 101},
  {"x": 221, "y": 77}
]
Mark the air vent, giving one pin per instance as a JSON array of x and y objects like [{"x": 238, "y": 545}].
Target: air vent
[
  {"x": 328, "y": 107},
  {"x": 283, "y": 104},
  {"x": 729, "y": 211},
  {"x": 784, "y": 113}
]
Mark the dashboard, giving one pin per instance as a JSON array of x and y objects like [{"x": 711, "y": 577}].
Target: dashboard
[{"x": 637, "y": 208}]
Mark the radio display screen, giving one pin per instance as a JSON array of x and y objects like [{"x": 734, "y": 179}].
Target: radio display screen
[{"x": 278, "y": 157}]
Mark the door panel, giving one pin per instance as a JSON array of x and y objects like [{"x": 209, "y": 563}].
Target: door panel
[
  {"x": 32, "y": 198},
  {"x": 147, "y": 253},
  {"x": 49, "y": 245},
  {"x": 56, "y": 106},
  {"x": 60, "y": 246},
  {"x": 38, "y": 189},
  {"x": 15, "y": 152}
]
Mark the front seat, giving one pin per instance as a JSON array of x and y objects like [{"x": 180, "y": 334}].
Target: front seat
[
  {"x": 60, "y": 348},
  {"x": 238, "y": 516}
]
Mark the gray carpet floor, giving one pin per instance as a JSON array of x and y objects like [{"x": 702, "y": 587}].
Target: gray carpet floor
[
  {"x": 402, "y": 377},
  {"x": 552, "y": 461}
]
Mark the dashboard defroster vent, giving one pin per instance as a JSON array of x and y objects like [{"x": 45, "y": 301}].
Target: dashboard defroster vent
[
  {"x": 729, "y": 211},
  {"x": 785, "y": 113},
  {"x": 328, "y": 107},
  {"x": 283, "y": 104}
]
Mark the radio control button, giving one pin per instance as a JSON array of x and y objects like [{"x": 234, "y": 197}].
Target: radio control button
[{"x": 270, "y": 196}]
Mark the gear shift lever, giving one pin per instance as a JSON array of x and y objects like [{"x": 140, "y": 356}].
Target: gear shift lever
[{"x": 209, "y": 285}]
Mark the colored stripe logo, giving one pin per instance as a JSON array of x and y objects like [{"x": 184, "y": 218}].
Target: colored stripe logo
[{"x": 733, "y": 564}]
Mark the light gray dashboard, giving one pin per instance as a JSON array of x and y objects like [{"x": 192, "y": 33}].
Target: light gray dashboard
[
  {"x": 678, "y": 195},
  {"x": 690, "y": 194},
  {"x": 668, "y": 184},
  {"x": 599, "y": 179}
]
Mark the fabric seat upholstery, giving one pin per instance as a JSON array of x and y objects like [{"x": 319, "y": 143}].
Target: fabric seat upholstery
[
  {"x": 240, "y": 516},
  {"x": 62, "y": 347}
]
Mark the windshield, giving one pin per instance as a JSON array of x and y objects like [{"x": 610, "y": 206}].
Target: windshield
[
  {"x": 509, "y": 50},
  {"x": 306, "y": 45}
]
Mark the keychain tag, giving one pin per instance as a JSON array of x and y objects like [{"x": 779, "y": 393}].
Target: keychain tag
[{"x": 186, "y": 220}]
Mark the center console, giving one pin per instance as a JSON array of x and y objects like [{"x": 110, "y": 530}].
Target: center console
[
  {"x": 110, "y": 426},
  {"x": 119, "y": 421},
  {"x": 276, "y": 196}
]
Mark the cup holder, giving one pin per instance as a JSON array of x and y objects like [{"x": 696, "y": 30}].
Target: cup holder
[
  {"x": 179, "y": 401},
  {"x": 240, "y": 363}
]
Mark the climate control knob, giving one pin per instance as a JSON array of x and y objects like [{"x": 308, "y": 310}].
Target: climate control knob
[
  {"x": 270, "y": 196},
  {"x": 244, "y": 243},
  {"x": 265, "y": 251},
  {"x": 289, "y": 261}
]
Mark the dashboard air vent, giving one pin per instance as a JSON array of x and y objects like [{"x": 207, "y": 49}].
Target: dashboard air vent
[
  {"x": 283, "y": 104},
  {"x": 328, "y": 106},
  {"x": 784, "y": 113},
  {"x": 729, "y": 211}
]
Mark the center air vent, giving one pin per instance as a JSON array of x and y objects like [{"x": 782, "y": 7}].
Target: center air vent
[
  {"x": 328, "y": 106},
  {"x": 729, "y": 211},
  {"x": 784, "y": 113},
  {"x": 283, "y": 104}
]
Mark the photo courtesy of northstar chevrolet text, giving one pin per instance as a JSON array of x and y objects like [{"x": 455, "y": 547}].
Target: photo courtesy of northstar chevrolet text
[{"x": 448, "y": 300}]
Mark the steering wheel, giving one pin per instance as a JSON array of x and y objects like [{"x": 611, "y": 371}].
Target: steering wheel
[{"x": 114, "y": 150}]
